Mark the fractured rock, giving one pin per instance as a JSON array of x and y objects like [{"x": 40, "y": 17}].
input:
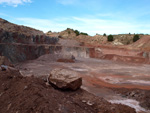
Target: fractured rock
[{"x": 65, "y": 79}]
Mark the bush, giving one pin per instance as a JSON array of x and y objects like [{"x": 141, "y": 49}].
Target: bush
[
  {"x": 49, "y": 31},
  {"x": 135, "y": 38},
  {"x": 77, "y": 32},
  {"x": 110, "y": 38},
  {"x": 83, "y": 33},
  {"x": 104, "y": 34},
  {"x": 69, "y": 32}
]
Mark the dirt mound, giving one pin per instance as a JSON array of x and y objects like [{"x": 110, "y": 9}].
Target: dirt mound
[
  {"x": 143, "y": 44},
  {"x": 32, "y": 95},
  {"x": 68, "y": 33}
]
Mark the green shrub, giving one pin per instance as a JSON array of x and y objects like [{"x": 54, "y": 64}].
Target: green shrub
[
  {"x": 83, "y": 33},
  {"x": 69, "y": 32},
  {"x": 49, "y": 31},
  {"x": 110, "y": 38},
  {"x": 104, "y": 34},
  {"x": 77, "y": 32},
  {"x": 135, "y": 38}
]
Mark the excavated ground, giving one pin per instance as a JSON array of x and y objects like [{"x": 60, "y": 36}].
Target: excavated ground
[
  {"x": 20, "y": 94},
  {"x": 117, "y": 82}
]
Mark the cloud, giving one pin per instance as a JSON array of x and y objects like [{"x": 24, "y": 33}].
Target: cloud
[
  {"x": 91, "y": 25},
  {"x": 66, "y": 2},
  {"x": 96, "y": 25},
  {"x": 42, "y": 24},
  {"x": 14, "y": 3}
]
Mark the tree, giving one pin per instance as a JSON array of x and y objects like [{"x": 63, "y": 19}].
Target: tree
[
  {"x": 110, "y": 38},
  {"x": 135, "y": 38},
  {"x": 69, "y": 32},
  {"x": 77, "y": 32},
  {"x": 49, "y": 31},
  {"x": 104, "y": 34},
  {"x": 83, "y": 33}
]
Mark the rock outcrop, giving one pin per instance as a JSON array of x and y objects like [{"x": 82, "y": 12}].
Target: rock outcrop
[
  {"x": 65, "y": 79},
  {"x": 16, "y": 37}
]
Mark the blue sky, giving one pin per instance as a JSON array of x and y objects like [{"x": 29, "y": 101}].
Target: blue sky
[{"x": 90, "y": 16}]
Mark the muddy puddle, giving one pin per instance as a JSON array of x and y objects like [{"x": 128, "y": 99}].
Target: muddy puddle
[{"x": 129, "y": 102}]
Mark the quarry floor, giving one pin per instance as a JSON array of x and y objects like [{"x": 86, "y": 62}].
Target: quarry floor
[{"x": 117, "y": 82}]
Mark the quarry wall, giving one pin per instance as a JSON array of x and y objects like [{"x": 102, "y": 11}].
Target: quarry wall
[
  {"x": 14, "y": 37},
  {"x": 22, "y": 52}
]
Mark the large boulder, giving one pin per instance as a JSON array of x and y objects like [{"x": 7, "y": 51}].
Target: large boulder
[{"x": 65, "y": 79}]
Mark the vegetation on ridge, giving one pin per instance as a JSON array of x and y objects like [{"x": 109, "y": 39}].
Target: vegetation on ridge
[
  {"x": 135, "y": 38},
  {"x": 110, "y": 38}
]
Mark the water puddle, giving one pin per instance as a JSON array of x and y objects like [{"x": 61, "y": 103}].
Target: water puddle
[
  {"x": 111, "y": 80},
  {"x": 142, "y": 82},
  {"x": 79, "y": 69},
  {"x": 131, "y": 103}
]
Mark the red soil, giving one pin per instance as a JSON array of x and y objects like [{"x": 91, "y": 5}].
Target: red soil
[
  {"x": 66, "y": 60},
  {"x": 32, "y": 95},
  {"x": 142, "y": 44}
]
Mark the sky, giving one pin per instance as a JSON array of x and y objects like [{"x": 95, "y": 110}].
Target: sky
[{"x": 89, "y": 16}]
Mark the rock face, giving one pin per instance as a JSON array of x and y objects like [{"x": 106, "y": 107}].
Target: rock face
[
  {"x": 17, "y": 37},
  {"x": 65, "y": 79}
]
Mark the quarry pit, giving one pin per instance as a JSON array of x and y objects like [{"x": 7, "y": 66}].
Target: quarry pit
[{"x": 103, "y": 78}]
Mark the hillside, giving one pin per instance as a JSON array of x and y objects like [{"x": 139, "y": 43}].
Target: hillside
[
  {"x": 12, "y": 33},
  {"x": 142, "y": 44},
  {"x": 10, "y": 27},
  {"x": 120, "y": 39}
]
